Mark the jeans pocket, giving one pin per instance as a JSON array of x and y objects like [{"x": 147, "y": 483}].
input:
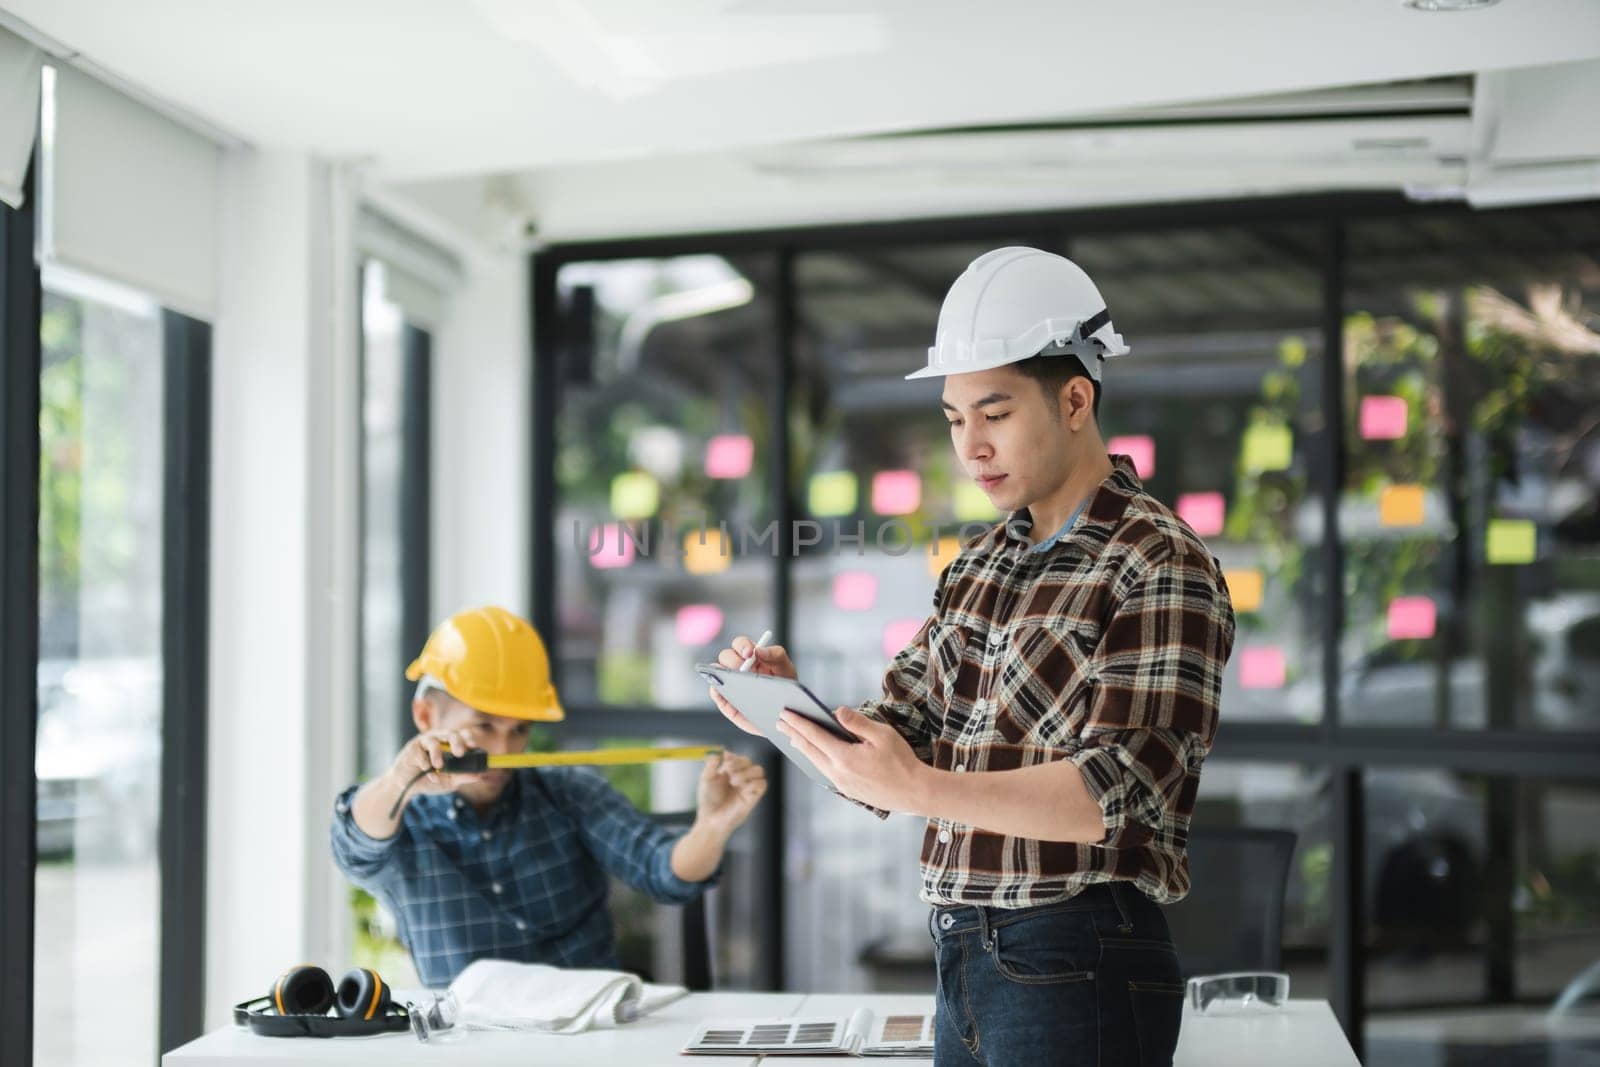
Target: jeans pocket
[
  {"x": 1157, "y": 1016},
  {"x": 1047, "y": 950}
]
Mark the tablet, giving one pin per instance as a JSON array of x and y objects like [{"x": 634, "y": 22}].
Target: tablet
[{"x": 761, "y": 698}]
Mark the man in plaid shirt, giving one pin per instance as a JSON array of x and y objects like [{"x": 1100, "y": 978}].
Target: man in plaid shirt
[{"x": 1050, "y": 718}]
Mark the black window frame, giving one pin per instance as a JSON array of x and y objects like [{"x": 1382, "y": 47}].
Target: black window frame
[
  {"x": 19, "y": 617},
  {"x": 186, "y": 474},
  {"x": 416, "y": 506},
  {"x": 185, "y": 637},
  {"x": 1344, "y": 750}
]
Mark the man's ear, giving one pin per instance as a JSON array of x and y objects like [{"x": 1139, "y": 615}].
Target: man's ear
[
  {"x": 424, "y": 714},
  {"x": 1077, "y": 401}
]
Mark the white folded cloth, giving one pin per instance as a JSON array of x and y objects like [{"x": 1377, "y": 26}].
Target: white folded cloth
[{"x": 502, "y": 995}]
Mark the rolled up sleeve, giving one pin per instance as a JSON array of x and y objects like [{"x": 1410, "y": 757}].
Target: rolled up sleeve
[
  {"x": 364, "y": 859},
  {"x": 1157, "y": 683},
  {"x": 904, "y": 703},
  {"x": 627, "y": 842},
  {"x": 905, "y": 695}
]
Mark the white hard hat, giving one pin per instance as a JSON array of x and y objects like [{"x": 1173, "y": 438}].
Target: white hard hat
[{"x": 1014, "y": 303}]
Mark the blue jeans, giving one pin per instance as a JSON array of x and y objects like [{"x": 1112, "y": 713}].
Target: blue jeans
[{"x": 1089, "y": 982}]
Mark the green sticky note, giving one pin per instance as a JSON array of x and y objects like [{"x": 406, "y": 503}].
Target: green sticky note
[
  {"x": 832, "y": 493},
  {"x": 972, "y": 504},
  {"x": 1268, "y": 448},
  {"x": 634, "y": 495},
  {"x": 1512, "y": 541}
]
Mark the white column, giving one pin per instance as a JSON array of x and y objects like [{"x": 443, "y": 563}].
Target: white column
[{"x": 283, "y": 581}]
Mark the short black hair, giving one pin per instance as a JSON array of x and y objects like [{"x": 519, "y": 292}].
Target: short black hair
[{"x": 1052, "y": 372}]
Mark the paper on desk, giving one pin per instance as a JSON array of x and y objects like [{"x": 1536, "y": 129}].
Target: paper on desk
[{"x": 502, "y": 995}]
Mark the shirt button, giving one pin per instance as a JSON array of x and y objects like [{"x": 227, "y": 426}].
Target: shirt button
[
  {"x": 486, "y": 835},
  {"x": 997, "y": 637},
  {"x": 961, "y": 768},
  {"x": 452, "y": 813},
  {"x": 521, "y": 925},
  {"x": 497, "y": 887},
  {"x": 944, "y": 836}
]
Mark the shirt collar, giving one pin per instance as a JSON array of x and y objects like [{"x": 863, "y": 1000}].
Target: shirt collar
[
  {"x": 1102, "y": 510},
  {"x": 1050, "y": 542}
]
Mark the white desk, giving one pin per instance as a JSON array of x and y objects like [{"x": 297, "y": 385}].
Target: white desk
[
  {"x": 656, "y": 1039},
  {"x": 1305, "y": 1034}
]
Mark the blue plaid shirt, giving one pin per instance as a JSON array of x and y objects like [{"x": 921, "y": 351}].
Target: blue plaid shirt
[{"x": 525, "y": 882}]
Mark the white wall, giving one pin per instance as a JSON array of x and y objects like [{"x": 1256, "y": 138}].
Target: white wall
[
  {"x": 285, "y": 541},
  {"x": 480, "y": 439},
  {"x": 282, "y": 574}
]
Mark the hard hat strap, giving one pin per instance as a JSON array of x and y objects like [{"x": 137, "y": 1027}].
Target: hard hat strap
[
  {"x": 1080, "y": 343},
  {"x": 1094, "y": 322}
]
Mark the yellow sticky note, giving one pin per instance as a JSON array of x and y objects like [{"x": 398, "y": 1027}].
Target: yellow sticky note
[
  {"x": 832, "y": 493},
  {"x": 1402, "y": 505},
  {"x": 941, "y": 552},
  {"x": 712, "y": 556},
  {"x": 1246, "y": 587},
  {"x": 634, "y": 495},
  {"x": 971, "y": 504},
  {"x": 1268, "y": 448},
  {"x": 1511, "y": 541}
]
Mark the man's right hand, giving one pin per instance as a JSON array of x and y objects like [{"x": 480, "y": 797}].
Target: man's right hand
[
  {"x": 426, "y": 752},
  {"x": 771, "y": 659},
  {"x": 424, "y": 755}
]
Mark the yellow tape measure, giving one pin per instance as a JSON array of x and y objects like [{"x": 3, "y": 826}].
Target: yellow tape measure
[
  {"x": 481, "y": 761},
  {"x": 477, "y": 762}
]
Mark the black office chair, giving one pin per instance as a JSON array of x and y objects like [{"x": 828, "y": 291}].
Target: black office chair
[
  {"x": 1232, "y": 919},
  {"x": 693, "y": 919}
]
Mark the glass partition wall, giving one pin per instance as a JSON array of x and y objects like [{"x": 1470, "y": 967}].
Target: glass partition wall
[{"x": 1382, "y": 419}]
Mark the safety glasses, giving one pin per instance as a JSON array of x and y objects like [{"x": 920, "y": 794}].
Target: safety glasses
[
  {"x": 436, "y": 1020},
  {"x": 1239, "y": 992}
]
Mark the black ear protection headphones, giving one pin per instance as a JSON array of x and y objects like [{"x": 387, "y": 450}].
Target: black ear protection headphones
[{"x": 298, "y": 1005}]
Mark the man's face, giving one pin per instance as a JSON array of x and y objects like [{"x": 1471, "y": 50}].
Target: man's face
[
  {"x": 494, "y": 734},
  {"x": 1013, "y": 440}
]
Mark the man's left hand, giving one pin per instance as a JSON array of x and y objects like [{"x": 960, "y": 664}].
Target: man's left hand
[
  {"x": 730, "y": 788},
  {"x": 881, "y": 770}
]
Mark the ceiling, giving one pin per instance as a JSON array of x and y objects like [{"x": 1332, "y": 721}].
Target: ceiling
[{"x": 430, "y": 89}]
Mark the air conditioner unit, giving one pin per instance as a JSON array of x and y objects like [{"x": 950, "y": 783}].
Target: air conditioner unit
[
  {"x": 1372, "y": 137},
  {"x": 1536, "y": 135}
]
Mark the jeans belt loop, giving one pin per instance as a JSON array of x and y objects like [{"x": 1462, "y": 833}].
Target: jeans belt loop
[
  {"x": 1117, "y": 891},
  {"x": 983, "y": 927}
]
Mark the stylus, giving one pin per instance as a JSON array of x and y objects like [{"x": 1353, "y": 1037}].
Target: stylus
[{"x": 750, "y": 660}]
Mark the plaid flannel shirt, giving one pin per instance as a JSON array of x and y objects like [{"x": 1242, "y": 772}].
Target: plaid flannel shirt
[
  {"x": 525, "y": 882},
  {"x": 1106, "y": 649}
]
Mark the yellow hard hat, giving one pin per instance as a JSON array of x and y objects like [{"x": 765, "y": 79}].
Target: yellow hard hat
[{"x": 492, "y": 661}]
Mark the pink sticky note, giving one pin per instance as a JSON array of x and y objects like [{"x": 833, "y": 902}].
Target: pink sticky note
[
  {"x": 1262, "y": 668},
  {"x": 1140, "y": 448},
  {"x": 1383, "y": 418},
  {"x": 1204, "y": 512},
  {"x": 729, "y": 455},
  {"x": 855, "y": 591},
  {"x": 898, "y": 634},
  {"x": 1412, "y": 618},
  {"x": 896, "y": 492},
  {"x": 610, "y": 547},
  {"x": 697, "y": 624}
]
